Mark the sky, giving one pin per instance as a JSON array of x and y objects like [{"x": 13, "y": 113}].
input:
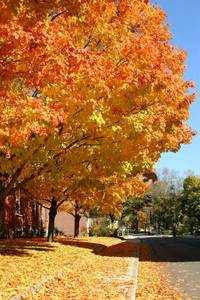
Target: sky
[{"x": 184, "y": 18}]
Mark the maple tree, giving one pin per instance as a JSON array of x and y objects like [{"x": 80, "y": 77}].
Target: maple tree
[
  {"x": 77, "y": 194},
  {"x": 88, "y": 81},
  {"x": 106, "y": 196},
  {"x": 51, "y": 193}
]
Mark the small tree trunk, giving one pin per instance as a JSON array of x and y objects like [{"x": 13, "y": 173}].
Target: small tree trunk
[
  {"x": 1, "y": 215},
  {"x": 52, "y": 216},
  {"x": 77, "y": 218},
  {"x": 136, "y": 225}
]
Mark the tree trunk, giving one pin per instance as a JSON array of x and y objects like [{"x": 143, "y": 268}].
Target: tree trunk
[
  {"x": 1, "y": 216},
  {"x": 52, "y": 216},
  {"x": 77, "y": 218}
]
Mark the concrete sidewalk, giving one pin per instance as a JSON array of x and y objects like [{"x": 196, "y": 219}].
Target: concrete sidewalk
[{"x": 133, "y": 268}]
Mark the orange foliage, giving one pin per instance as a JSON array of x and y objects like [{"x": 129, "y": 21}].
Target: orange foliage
[{"x": 88, "y": 86}]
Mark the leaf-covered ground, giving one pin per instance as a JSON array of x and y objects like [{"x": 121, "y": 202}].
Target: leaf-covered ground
[
  {"x": 152, "y": 282},
  {"x": 86, "y": 268}
]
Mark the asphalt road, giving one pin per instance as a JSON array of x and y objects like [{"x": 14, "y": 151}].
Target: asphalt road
[{"x": 180, "y": 260}]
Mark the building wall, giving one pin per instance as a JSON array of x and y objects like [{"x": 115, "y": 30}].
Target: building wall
[
  {"x": 65, "y": 222},
  {"x": 21, "y": 217}
]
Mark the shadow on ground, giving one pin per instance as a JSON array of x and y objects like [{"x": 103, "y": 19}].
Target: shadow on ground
[
  {"x": 158, "y": 249},
  {"x": 22, "y": 247},
  {"x": 169, "y": 249},
  {"x": 122, "y": 249}
]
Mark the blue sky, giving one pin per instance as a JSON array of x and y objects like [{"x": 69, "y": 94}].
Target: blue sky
[{"x": 184, "y": 17}]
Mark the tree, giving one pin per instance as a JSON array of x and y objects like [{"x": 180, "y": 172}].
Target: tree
[
  {"x": 87, "y": 50},
  {"x": 78, "y": 194},
  {"x": 82, "y": 200},
  {"x": 160, "y": 207},
  {"x": 129, "y": 215},
  {"x": 53, "y": 192},
  {"x": 191, "y": 202},
  {"x": 166, "y": 195},
  {"x": 95, "y": 80}
]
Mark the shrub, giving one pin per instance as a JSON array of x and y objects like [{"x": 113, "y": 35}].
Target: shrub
[{"x": 102, "y": 228}]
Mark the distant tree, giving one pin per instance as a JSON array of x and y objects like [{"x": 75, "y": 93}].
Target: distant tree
[
  {"x": 191, "y": 202},
  {"x": 165, "y": 198},
  {"x": 129, "y": 213}
]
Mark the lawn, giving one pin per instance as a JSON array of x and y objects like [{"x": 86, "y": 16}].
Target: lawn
[{"x": 84, "y": 268}]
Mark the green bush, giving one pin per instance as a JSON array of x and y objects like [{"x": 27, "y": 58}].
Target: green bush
[
  {"x": 58, "y": 231},
  {"x": 102, "y": 230}
]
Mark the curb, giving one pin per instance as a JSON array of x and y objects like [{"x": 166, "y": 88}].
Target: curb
[
  {"x": 134, "y": 272},
  {"x": 194, "y": 237}
]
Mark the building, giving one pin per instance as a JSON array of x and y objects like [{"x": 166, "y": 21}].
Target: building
[{"x": 22, "y": 217}]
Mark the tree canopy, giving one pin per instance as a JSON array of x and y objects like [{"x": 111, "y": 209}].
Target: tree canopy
[{"x": 95, "y": 84}]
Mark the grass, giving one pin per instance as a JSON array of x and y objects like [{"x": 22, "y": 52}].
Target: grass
[{"x": 86, "y": 268}]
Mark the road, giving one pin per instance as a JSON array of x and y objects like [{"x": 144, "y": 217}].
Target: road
[{"x": 180, "y": 259}]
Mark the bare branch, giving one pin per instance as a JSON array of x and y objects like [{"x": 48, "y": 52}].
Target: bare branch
[
  {"x": 133, "y": 111},
  {"x": 62, "y": 201},
  {"x": 16, "y": 174},
  {"x": 43, "y": 205},
  {"x": 55, "y": 15},
  {"x": 26, "y": 191},
  {"x": 88, "y": 42},
  {"x": 123, "y": 59}
]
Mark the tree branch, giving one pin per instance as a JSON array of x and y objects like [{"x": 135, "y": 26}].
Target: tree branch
[{"x": 57, "y": 15}]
